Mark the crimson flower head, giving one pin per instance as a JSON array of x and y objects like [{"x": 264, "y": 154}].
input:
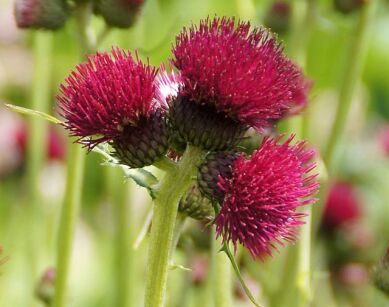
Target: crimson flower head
[
  {"x": 111, "y": 98},
  {"x": 342, "y": 205},
  {"x": 240, "y": 72},
  {"x": 262, "y": 194}
]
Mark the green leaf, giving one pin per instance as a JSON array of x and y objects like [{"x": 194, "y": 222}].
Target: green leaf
[
  {"x": 143, "y": 178},
  {"x": 26, "y": 111},
  {"x": 227, "y": 250}
]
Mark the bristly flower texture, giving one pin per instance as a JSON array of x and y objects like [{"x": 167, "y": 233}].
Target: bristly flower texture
[
  {"x": 262, "y": 195},
  {"x": 242, "y": 73},
  {"x": 106, "y": 94}
]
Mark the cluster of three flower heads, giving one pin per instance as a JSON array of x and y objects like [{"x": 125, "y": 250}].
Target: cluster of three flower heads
[{"x": 229, "y": 77}]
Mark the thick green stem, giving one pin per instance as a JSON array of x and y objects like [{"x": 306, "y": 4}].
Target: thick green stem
[
  {"x": 173, "y": 185},
  {"x": 74, "y": 178},
  {"x": 222, "y": 279},
  {"x": 68, "y": 220},
  {"x": 355, "y": 60}
]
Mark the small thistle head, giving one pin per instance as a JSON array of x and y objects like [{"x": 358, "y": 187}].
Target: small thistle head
[
  {"x": 342, "y": 206},
  {"x": 349, "y": 6},
  {"x": 119, "y": 13},
  {"x": 45, "y": 288},
  {"x": 278, "y": 16},
  {"x": 195, "y": 205},
  {"x": 45, "y": 14},
  {"x": 111, "y": 98},
  {"x": 260, "y": 196}
]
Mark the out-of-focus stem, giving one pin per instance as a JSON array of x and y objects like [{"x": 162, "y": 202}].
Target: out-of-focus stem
[
  {"x": 173, "y": 185},
  {"x": 36, "y": 141},
  {"x": 68, "y": 219},
  {"x": 74, "y": 177},
  {"x": 221, "y": 272},
  {"x": 355, "y": 60},
  {"x": 303, "y": 17},
  {"x": 124, "y": 264}
]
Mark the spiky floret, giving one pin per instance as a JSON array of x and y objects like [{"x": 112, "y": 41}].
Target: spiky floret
[
  {"x": 105, "y": 94},
  {"x": 262, "y": 195},
  {"x": 111, "y": 98},
  {"x": 243, "y": 73}
]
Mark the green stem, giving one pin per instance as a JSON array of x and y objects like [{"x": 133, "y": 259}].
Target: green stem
[
  {"x": 74, "y": 178},
  {"x": 355, "y": 60},
  {"x": 68, "y": 218},
  {"x": 37, "y": 136},
  {"x": 123, "y": 242},
  {"x": 40, "y": 101},
  {"x": 172, "y": 187},
  {"x": 222, "y": 279}
]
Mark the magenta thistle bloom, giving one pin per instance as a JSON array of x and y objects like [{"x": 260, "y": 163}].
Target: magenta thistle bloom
[
  {"x": 263, "y": 193},
  {"x": 242, "y": 73},
  {"x": 105, "y": 94},
  {"x": 112, "y": 98}
]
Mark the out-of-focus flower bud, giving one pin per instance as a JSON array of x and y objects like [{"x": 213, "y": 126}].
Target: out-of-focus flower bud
[
  {"x": 278, "y": 16},
  {"x": 119, "y": 13},
  {"x": 352, "y": 275},
  {"x": 381, "y": 274},
  {"x": 195, "y": 205},
  {"x": 3, "y": 259},
  {"x": 41, "y": 14},
  {"x": 384, "y": 139},
  {"x": 342, "y": 206},
  {"x": 349, "y": 6},
  {"x": 46, "y": 287}
]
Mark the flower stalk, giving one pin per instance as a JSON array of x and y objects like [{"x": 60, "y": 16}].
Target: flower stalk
[
  {"x": 222, "y": 279},
  {"x": 355, "y": 60},
  {"x": 74, "y": 177},
  {"x": 172, "y": 187}
]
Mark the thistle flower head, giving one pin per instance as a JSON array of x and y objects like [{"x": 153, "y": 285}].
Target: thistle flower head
[
  {"x": 241, "y": 73},
  {"x": 262, "y": 195},
  {"x": 111, "y": 98},
  {"x": 105, "y": 94}
]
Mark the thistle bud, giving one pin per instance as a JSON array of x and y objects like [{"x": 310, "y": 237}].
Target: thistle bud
[
  {"x": 215, "y": 165},
  {"x": 195, "y": 205},
  {"x": 41, "y": 14},
  {"x": 46, "y": 287},
  {"x": 349, "y": 6},
  {"x": 142, "y": 144},
  {"x": 119, "y": 13},
  {"x": 202, "y": 126},
  {"x": 278, "y": 16},
  {"x": 381, "y": 274}
]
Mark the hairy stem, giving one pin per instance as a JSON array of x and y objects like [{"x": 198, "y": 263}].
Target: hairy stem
[{"x": 173, "y": 185}]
